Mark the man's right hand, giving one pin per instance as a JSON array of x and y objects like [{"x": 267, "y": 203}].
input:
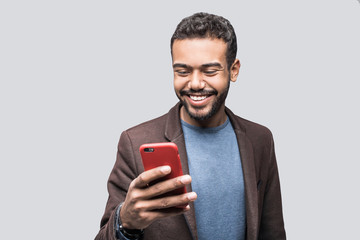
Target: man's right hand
[{"x": 140, "y": 208}]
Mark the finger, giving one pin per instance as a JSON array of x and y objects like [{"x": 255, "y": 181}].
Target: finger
[
  {"x": 177, "y": 201},
  {"x": 167, "y": 186},
  {"x": 148, "y": 176},
  {"x": 168, "y": 212},
  {"x": 150, "y": 216}
]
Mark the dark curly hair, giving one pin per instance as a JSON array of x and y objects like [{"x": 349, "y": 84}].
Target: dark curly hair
[{"x": 205, "y": 25}]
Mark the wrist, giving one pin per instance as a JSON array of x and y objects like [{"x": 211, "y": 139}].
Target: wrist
[{"x": 120, "y": 229}]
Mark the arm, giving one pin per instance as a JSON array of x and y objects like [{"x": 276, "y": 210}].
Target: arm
[{"x": 139, "y": 210}]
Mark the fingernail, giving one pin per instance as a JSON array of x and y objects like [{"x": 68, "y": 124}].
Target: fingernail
[
  {"x": 192, "y": 196},
  {"x": 186, "y": 179},
  {"x": 165, "y": 169}
]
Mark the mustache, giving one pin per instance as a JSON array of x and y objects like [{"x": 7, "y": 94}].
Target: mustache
[{"x": 198, "y": 92}]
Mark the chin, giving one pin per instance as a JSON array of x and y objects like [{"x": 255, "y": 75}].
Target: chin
[{"x": 200, "y": 114}]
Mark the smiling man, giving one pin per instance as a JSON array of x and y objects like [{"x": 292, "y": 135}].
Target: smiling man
[
  {"x": 229, "y": 164},
  {"x": 202, "y": 79}
]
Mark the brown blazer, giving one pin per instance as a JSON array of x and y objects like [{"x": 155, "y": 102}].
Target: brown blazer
[{"x": 264, "y": 219}]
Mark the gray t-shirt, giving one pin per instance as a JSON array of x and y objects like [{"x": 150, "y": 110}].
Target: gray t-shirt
[{"x": 217, "y": 178}]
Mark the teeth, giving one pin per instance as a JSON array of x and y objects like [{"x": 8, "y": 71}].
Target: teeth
[{"x": 197, "y": 98}]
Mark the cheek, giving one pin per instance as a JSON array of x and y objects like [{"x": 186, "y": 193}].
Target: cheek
[
  {"x": 179, "y": 83},
  {"x": 220, "y": 84}
]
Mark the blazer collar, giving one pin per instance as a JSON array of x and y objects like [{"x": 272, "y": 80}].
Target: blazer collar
[{"x": 173, "y": 128}]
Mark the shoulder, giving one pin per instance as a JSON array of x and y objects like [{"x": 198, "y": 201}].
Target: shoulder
[
  {"x": 151, "y": 126},
  {"x": 254, "y": 131},
  {"x": 252, "y": 127},
  {"x": 147, "y": 132},
  {"x": 161, "y": 129}
]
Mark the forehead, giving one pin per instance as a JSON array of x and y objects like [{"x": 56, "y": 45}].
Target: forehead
[{"x": 199, "y": 51}]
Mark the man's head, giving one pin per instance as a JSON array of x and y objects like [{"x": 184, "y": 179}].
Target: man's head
[
  {"x": 205, "y": 25},
  {"x": 203, "y": 53}
]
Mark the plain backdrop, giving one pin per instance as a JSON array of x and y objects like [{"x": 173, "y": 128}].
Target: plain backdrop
[{"x": 75, "y": 74}]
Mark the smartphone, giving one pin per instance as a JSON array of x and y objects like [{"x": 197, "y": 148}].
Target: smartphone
[{"x": 160, "y": 154}]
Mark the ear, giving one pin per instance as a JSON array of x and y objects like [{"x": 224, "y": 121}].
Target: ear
[{"x": 234, "y": 70}]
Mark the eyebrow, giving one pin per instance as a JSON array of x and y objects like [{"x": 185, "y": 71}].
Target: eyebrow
[
  {"x": 206, "y": 65},
  {"x": 181, "y": 65},
  {"x": 215, "y": 64}
]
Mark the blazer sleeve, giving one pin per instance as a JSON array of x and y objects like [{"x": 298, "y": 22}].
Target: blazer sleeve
[
  {"x": 272, "y": 223},
  {"x": 123, "y": 172}
]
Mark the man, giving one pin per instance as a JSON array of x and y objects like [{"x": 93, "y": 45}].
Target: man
[{"x": 234, "y": 190}]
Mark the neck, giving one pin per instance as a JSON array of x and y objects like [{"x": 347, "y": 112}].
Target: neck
[{"x": 218, "y": 119}]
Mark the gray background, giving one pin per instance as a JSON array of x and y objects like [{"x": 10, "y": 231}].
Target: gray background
[{"x": 75, "y": 74}]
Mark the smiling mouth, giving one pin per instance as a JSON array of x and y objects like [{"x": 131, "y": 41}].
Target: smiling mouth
[{"x": 197, "y": 98}]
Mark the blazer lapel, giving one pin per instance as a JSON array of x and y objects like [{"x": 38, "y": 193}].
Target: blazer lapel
[
  {"x": 174, "y": 133},
  {"x": 247, "y": 161},
  {"x": 249, "y": 171}
]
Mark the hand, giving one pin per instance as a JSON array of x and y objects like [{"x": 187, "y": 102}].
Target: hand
[{"x": 140, "y": 208}]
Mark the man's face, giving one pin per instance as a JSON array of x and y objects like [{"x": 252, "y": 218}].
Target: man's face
[{"x": 201, "y": 76}]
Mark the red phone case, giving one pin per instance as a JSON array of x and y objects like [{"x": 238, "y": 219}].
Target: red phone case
[{"x": 160, "y": 154}]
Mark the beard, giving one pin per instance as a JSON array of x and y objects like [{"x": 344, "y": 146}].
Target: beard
[{"x": 197, "y": 115}]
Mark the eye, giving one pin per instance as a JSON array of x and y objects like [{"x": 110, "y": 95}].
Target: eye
[
  {"x": 210, "y": 72},
  {"x": 182, "y": 72}
]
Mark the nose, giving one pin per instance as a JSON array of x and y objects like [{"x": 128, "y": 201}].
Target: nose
[{"x": 196, "y": 81}]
